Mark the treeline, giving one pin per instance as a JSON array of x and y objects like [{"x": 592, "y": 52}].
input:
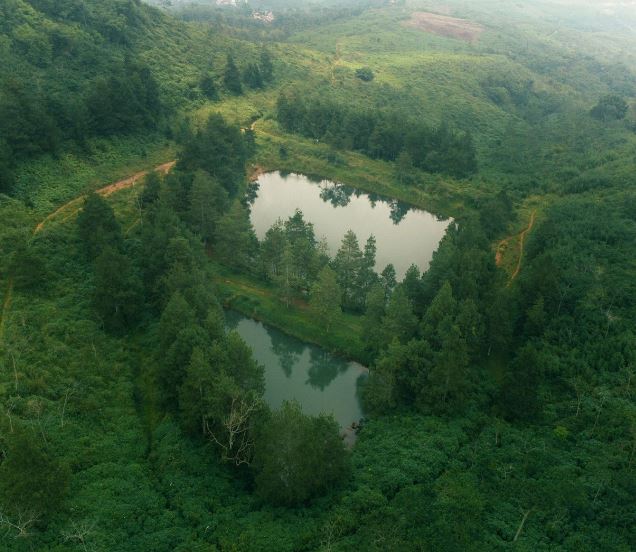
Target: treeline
[
  {"x": 159, "y": 277},
  {"x": 73, "y": 72},
  {"x": 380, "y": 134},
  {"x": 33, "y": 122},
  {"x": 550, "y": 359}
]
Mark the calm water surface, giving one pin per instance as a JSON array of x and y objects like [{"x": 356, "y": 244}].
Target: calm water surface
[
  {"x": 319, "y": 381},
  {"x": 404, "y": 235}
]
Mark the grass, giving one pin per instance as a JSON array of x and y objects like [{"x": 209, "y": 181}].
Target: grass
[
  {"x": 443, "y": 196},
  {"x": 46, "y": 183},
  {"x": 261, "y": 302}
]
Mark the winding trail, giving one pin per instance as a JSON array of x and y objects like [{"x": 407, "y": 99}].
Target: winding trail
[
  {"x": 522, "y": 238},
  {"x": 71, "y": 208},
  {"x": 105, "y": 192}
]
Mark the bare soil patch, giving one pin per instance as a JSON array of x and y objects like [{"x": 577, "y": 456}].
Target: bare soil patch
[{"x": 443, "y": 25}]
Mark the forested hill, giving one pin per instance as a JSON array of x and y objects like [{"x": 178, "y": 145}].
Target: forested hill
[
  {"x": 499, "y": 405},
  {"x": 77, "y": 69}
]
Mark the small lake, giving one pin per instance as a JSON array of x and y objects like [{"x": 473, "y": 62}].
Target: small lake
[
  {"x": 319, "y": 381},
  {"x": 404, "y": 235}
]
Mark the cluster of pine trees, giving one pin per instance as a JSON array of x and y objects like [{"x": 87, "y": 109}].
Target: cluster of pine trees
[
  {"x": 380, "y": 134},
  {"x": 204, "y": 376}
]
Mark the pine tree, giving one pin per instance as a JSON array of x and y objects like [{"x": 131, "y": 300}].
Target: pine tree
[
  {"x": 118, "y": 295},
  {"x": 347, "y": 265},
  {"x": 208, "y": 87},
  {"x": 266, "y": 66},
  {"x": 252, "y": 76},
  {"x": 325, "y": 297},
  {"x": 208, "y": 201},
  {"x": 98, "y": 226},
  {"x": 232, "y": 77}
]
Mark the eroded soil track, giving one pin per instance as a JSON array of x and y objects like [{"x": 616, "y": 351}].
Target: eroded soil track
[
  {"x": 521, "y": 238},
  {"x": 73, "y": 206},
  {"x": 69, "y": 209}
]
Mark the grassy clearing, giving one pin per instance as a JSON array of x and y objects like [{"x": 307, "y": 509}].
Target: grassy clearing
[
  {"x": 259, "y": 301},
  {"x": 46, "y": 183}
]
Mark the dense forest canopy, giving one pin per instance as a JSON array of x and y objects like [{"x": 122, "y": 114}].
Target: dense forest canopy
[{"x": 499, "y": 401}]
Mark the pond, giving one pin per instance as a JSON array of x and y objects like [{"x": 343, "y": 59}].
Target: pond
[
  {"x": 404, "y": 235},
  {"x": 318, "y": 380}
]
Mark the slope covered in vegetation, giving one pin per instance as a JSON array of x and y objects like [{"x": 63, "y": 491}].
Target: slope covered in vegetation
[{"x": 500, "y": 403}]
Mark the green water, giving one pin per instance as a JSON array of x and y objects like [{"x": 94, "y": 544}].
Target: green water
[
  {"x": 319, "y": 381},
  {"x": 404, "y": 235}
]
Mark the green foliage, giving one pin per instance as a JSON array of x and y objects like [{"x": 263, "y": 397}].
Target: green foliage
[
  {"x": 325, "y": 297},
  {"x": 232, "y": 77},
  {"x": 218, "y": 149},
  {"x": 551, "y": 352},
  {"x": 118, "y": 291},
  {"x": 610, "y": 108},
  {"x": 297, "y": 457},
  {"x": 98, "y": 227},
  {"x": 33, "y": 482},
  {"x": 365, "y": 74},
  {"x": 252, "y": 76},
  {"x": 208, "y": 87},
  {"x": 379, "y": 134}
]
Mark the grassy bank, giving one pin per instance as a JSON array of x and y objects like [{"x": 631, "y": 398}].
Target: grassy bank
[{"x": 261, "y": 302}]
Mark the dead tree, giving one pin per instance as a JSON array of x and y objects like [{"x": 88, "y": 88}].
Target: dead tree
[{"x": 233, "y": 435}]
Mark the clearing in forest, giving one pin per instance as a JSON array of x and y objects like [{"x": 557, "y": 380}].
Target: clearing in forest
[{"x": 444, "y": 25}]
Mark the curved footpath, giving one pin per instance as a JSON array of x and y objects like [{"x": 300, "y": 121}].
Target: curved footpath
[{"x": 75, "y": 204}]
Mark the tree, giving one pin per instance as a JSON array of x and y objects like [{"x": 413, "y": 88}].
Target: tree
[
  {"x": 266, "y": 65},
  {"x": 33, "y": 482},
  {"x": 252, "y": 76},
  {"x": 208, "y": 201},
  {"x": 208, "y": 87},
  {"x": 347, "y": 265},
  {"x": 388, "y": 279},
  {"x": 235, "y": 240},
  {"x": 221, "y": 396},
  {"x": 151, "y": 189},
  {"x": 271, "y": 250},
  {"x": 519, "y": 393},
  {"x": 404, "y": 167},
  {"x": 118, "y": 296},
  {"x": 365, "y": 74},
  {"x": 219, "y": 149},
  {"x": 98, "y": 227},
  {"x": 610, "y": 108},
  {"x": 448, "y": 379},
  {"x": 325, "y": 297},
  {"x": 367, "y": 276},
  {"x": 298, "y": 457},
  {"x": 232, "y": 77},
  {"x": 372, "y": 322},
  {"x": 399, "y": 322}
]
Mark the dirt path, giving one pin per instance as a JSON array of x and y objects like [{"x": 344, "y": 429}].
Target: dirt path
[
  {"x": 503, "y": 245},
  {"x": 522, "y": 239},
  {"x": 75, "y": 205},
  {"x": 105, "y": 191}
]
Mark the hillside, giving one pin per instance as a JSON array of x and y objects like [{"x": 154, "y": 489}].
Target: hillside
[{"x": 499, "y": 411}]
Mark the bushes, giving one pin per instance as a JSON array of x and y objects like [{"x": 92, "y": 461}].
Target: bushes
[{"x": 298, "y": 457}]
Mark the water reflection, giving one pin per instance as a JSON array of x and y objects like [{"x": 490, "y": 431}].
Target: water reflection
[
  {"x": 319, "y": 381},
  {"x": 287, "y": 350},
  {"x": 337, "y": 195},
  {"x": 404, "y": 235},
  {"x": 324, "y": 368}
]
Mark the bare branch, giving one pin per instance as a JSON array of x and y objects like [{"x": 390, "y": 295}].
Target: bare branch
[
  {"x": 20, "y": 523},
  {"x": 234, "y": 437}
]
